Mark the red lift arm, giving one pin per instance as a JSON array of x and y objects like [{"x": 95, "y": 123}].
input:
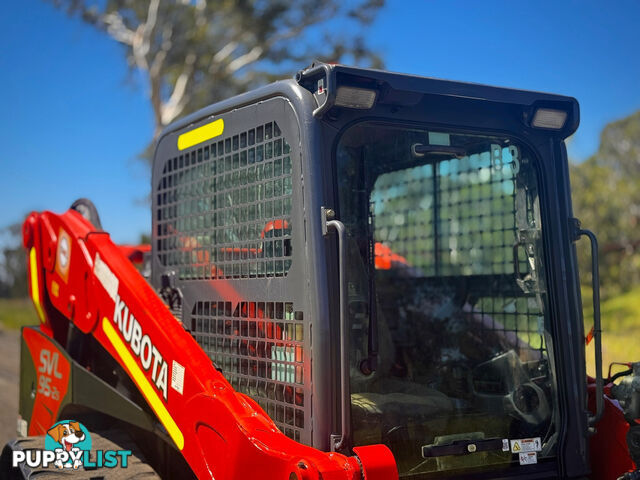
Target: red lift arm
[{"x": 81, "y": 274}]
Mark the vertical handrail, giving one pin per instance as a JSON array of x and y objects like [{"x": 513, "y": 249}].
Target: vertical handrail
[
  {"x": 345, "y": 402},
  {"x": 597, "y": 326}
]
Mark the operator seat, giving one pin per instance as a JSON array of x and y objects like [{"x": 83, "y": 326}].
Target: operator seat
[{"x": 381, "y": 401}]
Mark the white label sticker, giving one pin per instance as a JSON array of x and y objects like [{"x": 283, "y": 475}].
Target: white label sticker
[
  {"x": 177, "y": 377},
  {"x": 436, "y": 138},
  {"x": 281, "y": 371},
  {"x": 505, "y": 445},
  {"x": 528, "y": 458},
  {"x": 526, "y": 445},
  {"x": 108, "y": 280},
  {"x": 63, "y": 252}
]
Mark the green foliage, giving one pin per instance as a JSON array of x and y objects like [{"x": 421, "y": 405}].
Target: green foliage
[
  {"x": 145, "y": 239},
  {"x": 620, "y": 328},
  {"x": 606, "y": 198},
  {"x": 194, "y": 53},
  {"x": 16, "y": 313},
  {"x": 620, "y": 313},
  {"x": 13, "y": 264}
]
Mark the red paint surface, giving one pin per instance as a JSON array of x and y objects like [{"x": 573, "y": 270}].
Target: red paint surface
[
  {"x": 377, "y": 461},
  {"x": 52, "y": 370},
  {"x": 135, "y": 253},
  {"x": 608, "y": 447},
  {"x": 226, "y": 434}
]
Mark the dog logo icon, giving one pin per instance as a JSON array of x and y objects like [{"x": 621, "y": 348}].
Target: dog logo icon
[{"x": 69, "y": 439}]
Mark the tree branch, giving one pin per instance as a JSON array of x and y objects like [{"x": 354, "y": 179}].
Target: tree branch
[
  {"x": 170, "y": 109},
  {"x": 243, "y": 60},
  {"x": 149, "y": 25},
  {"x": 257, "y": 52},
  {"x": 181, "y": 69},
  {"x": 117, "y": 29},
  {"x": 224, "y": 52},
  {"x": 142, "y": 37},
  {"x": 158, "y": 59}
]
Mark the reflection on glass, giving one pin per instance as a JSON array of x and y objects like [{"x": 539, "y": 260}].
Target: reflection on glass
[{"x": 445, "y": 268}]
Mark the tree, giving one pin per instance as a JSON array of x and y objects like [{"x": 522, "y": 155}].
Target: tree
[
  {"x": 606, "y": 197},
  {"x": 13, "y": 263},
  {"x": 196, "y": 52}
]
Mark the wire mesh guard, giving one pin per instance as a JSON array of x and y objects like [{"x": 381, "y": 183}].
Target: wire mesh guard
[
  {"x": 260, "y": 348},
  {"x": 457, "y": 219},
  {"x": 223, "y": 210},
  {"x": 224, "y": 213}
]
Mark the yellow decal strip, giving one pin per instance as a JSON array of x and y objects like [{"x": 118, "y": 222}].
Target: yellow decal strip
[
  {"x": 201, "y": 134},
  {"x": 143, "y": 384},
  {"x": 35, "y": 288}
]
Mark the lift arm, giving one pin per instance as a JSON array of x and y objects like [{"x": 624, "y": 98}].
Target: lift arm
[{"x": 78, "y": 275}]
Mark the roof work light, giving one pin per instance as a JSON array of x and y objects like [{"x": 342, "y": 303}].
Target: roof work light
[
  {"x": 549, "y": 118},
  {"x": 353, "y": 97}
]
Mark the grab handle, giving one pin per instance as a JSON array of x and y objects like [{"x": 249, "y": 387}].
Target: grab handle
[
  {"x": 597, "y": 328},
  {"x": 340, "y": 441}
]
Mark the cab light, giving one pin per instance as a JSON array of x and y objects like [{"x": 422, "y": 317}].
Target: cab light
[
  {"x": 352, "y": 97},
  {"x": 549, "y": 118}
]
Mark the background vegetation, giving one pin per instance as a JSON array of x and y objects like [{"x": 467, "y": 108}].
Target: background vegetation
[
  {"x": 190, "y": 54},
  {"x": 189, "y": 57},
  {"x": 606, "y": 198},
  {"x": 194, "y": 53}
]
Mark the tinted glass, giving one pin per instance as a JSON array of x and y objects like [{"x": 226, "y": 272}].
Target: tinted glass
[{"x": 446, "y": 269}]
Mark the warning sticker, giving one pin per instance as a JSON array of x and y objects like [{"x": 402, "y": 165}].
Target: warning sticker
[
  {"x": 63, "y": 255},
  {"x": 107, "y": 278},
  {"x": 528, "y": 458},
  {"x": 177, "y": 377},
  {"x": 505, "y": 445},
  {"x": 526, "y": 445}
]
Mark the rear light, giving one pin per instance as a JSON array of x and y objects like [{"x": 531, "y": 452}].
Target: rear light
[
  {"x": 549, "y": 118},
  {"x": 352, "y": 97}
]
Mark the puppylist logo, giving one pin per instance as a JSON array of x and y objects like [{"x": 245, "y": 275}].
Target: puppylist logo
[
  {"x": 74, "y": 439},
  {"x": 68, "y": 445}
]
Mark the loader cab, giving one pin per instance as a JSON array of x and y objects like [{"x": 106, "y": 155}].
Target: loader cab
[{"x": 465, "y": 352}]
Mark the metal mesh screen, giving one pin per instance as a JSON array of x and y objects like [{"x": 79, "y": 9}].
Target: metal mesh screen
[
  {"x": 451, "y": 276},
  {"x": 456, "y": 217},
  {"x": 260, "y": 348},
  {"x": 223, "y": 209}
]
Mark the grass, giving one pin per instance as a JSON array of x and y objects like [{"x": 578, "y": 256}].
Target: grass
[
  {"x": 620, "y": 329},
  {"x": 620, "y": 322},
  {"x": 17, "y": 312}
]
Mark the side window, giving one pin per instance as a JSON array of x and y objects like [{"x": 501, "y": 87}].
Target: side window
[
  {"x": 224, "y": 209},
  {"x": 447, "y": 295},
  {"x": 226, "y": 229}
]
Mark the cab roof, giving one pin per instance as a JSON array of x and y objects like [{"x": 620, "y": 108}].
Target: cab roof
[{"x": 393, "y": 88}]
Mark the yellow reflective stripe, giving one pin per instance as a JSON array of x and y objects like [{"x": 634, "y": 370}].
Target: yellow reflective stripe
[
  {"x": 143, "y": 383},
  {"x": 201, "y": 134},
  {"x": 35, "y": 288}
]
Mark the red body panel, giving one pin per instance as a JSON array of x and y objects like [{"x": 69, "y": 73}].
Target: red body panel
[
  {"x": 378, "y": 463},
  {"x": 222, "y": 434},
  {"x": 135, "y": 254},
  {"x": 52, "y": 370},
  {"x": 609, "y": 452}
]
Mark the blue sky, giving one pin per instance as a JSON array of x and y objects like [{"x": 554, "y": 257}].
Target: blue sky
[{"x": 74, "y": 120}]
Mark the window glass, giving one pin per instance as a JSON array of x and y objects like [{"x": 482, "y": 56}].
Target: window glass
[{"x": 445, "y": 267}]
